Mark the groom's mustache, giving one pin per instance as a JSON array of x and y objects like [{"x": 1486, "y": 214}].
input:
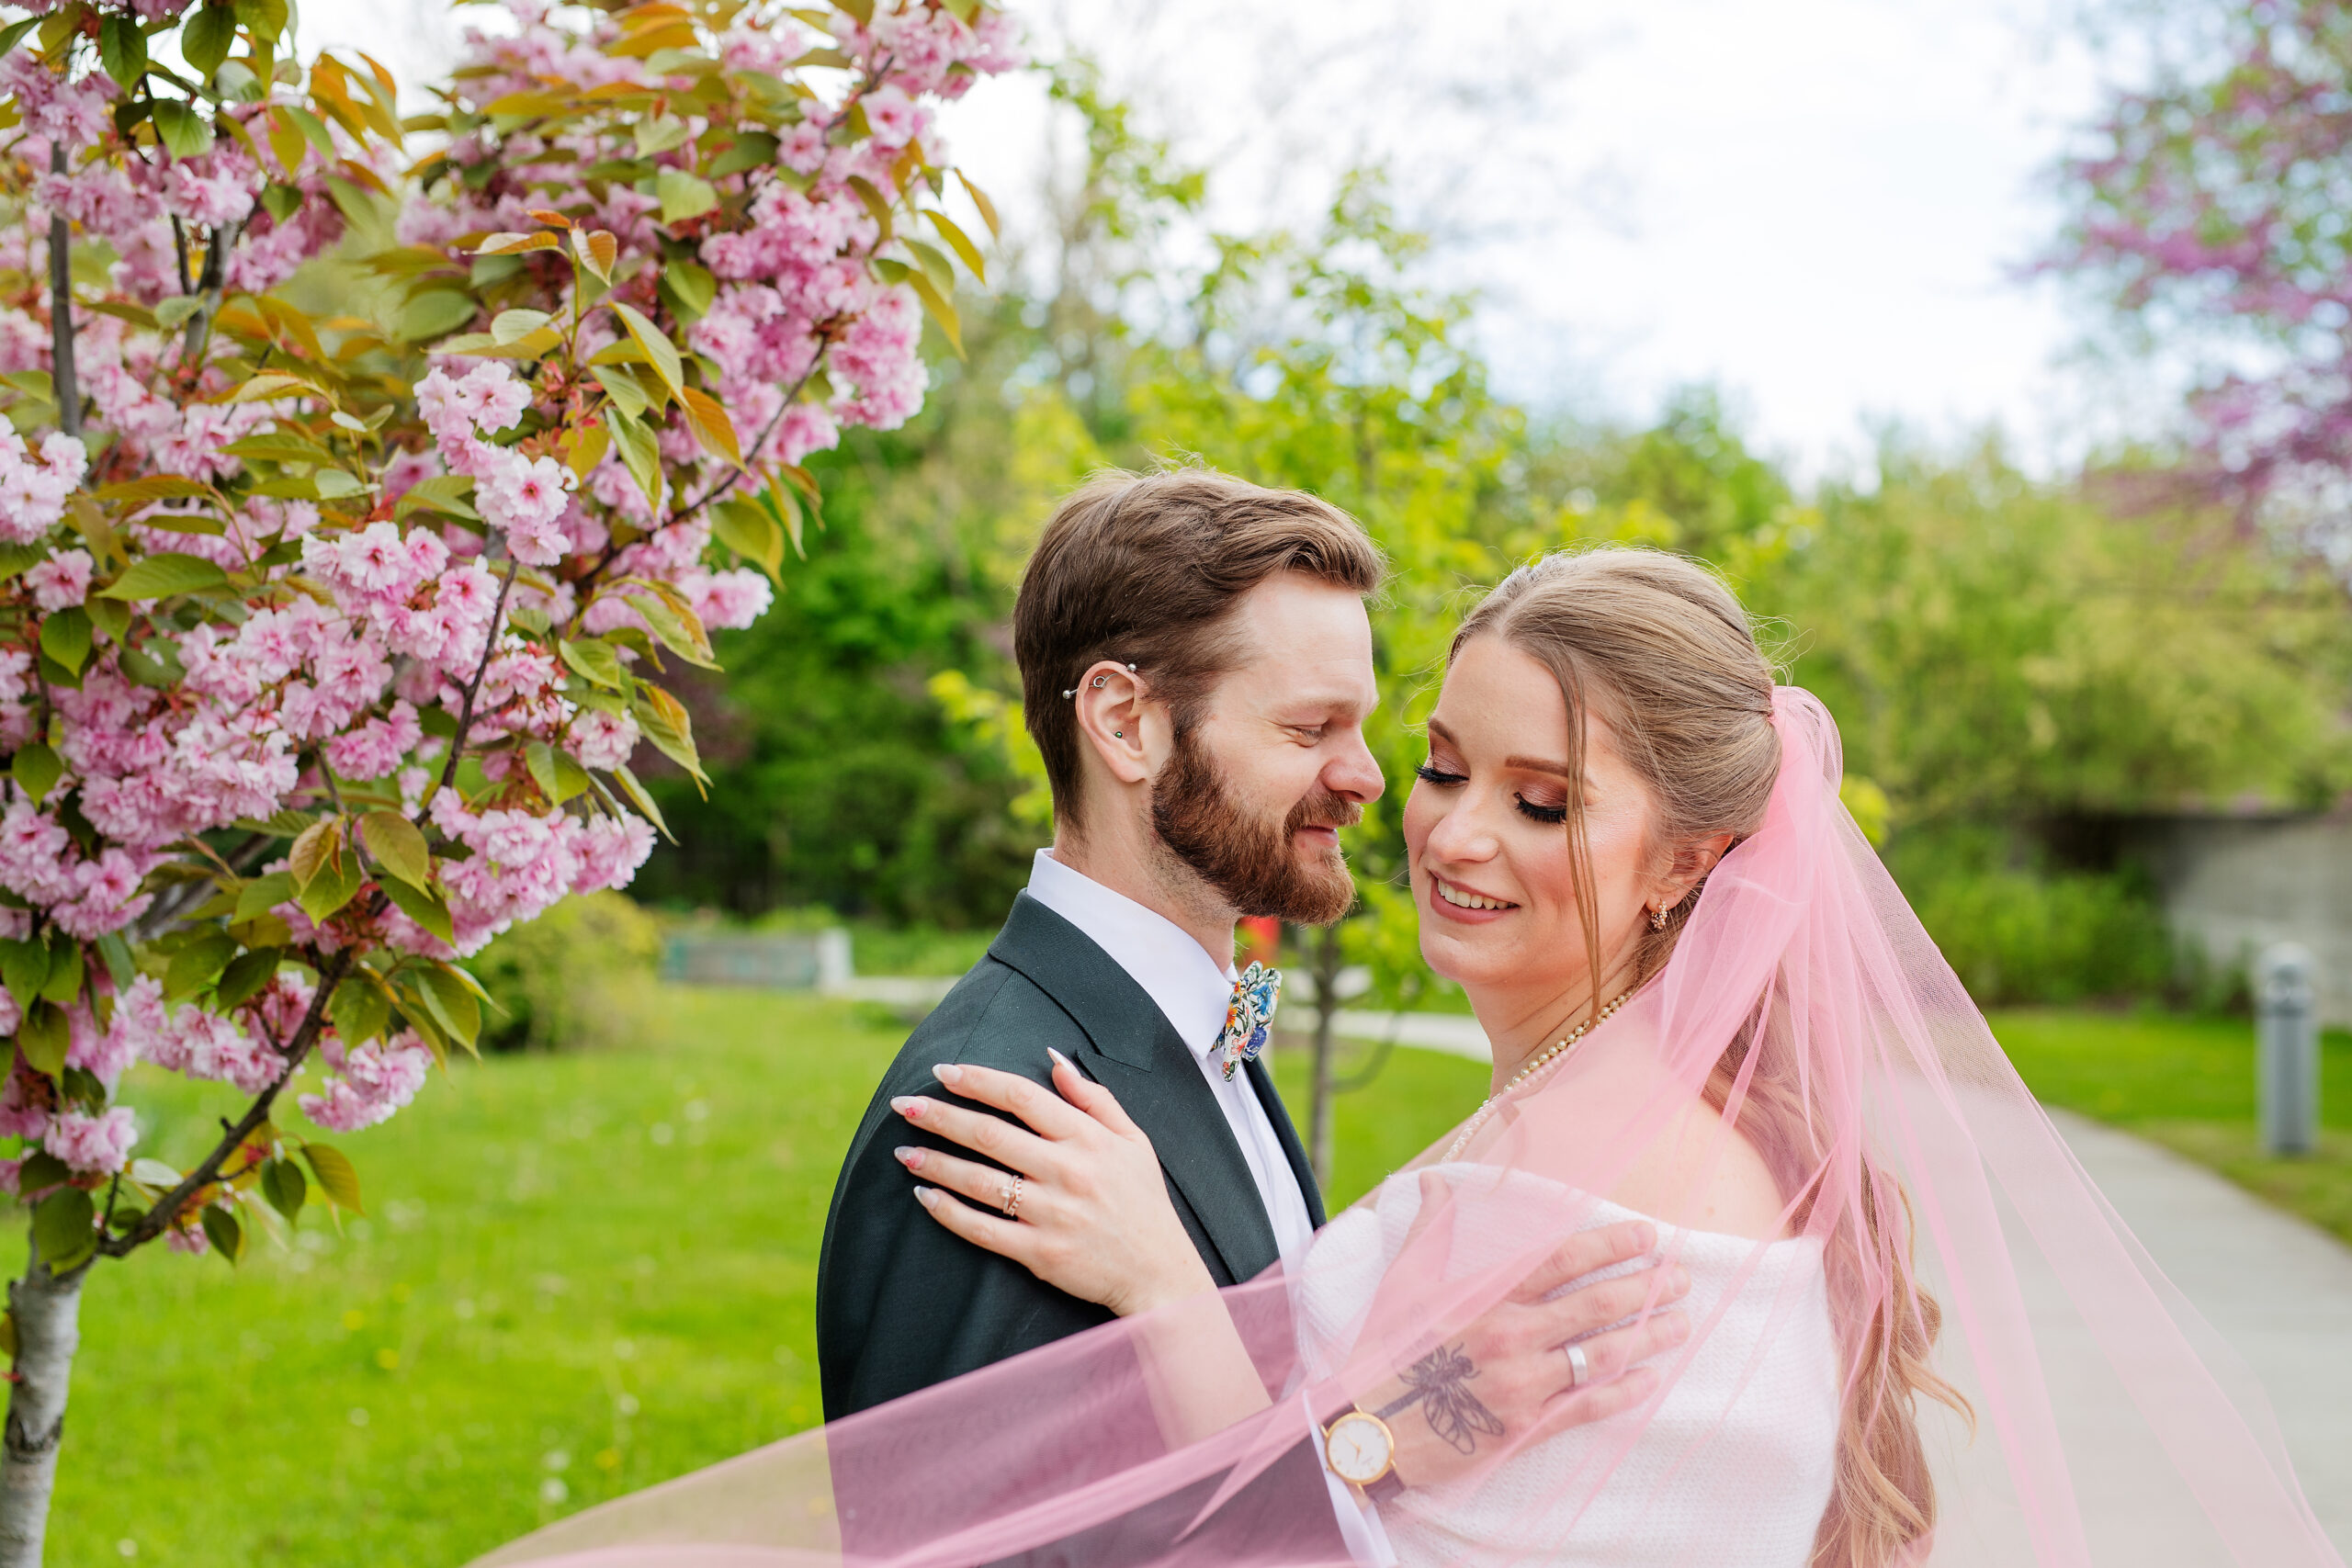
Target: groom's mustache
[{"x": 1324, "y": 809}]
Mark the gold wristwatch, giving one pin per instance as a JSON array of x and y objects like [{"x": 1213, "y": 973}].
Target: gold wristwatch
[{"x": 1361, "y": 1451}]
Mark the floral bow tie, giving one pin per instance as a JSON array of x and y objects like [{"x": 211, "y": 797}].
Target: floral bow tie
[{"x": 1248, "y": 1019}]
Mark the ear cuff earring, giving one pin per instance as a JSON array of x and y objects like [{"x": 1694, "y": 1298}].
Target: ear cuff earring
[{"x": 1097, "y": 682}]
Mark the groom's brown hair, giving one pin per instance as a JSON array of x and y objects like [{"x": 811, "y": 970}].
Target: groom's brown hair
[{"x": 1145, "y": 569}]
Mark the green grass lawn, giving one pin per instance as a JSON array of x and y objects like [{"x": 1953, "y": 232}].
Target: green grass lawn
[
  {"x": 2189, "y": 1083},
  {"x": 582, "y": 1274}
]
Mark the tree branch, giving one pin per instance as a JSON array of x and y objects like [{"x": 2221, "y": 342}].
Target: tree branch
[
  {"x": 60, "y": 312},
  {"x": 207, "y": 1171},
  {"x": 473, "y": 686}
]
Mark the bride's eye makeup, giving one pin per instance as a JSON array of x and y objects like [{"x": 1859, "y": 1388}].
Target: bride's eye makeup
[
  {"x": 1429, "y": 773},
  {"x": 1551, "y": 815}
]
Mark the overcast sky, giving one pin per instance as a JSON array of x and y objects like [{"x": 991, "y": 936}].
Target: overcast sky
[{"x": 1821, "y": 205}]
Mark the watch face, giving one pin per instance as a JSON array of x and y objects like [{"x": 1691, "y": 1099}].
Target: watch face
[{"x": 1360, "y": 1449}]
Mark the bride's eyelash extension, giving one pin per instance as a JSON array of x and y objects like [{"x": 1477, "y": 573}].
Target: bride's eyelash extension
[
  {"x": 1429, "y": 773},
  {"x": 1550, "y": 815}
]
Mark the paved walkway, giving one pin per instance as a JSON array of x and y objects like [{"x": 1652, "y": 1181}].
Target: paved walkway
[{"x": 2279, "y": 1289}]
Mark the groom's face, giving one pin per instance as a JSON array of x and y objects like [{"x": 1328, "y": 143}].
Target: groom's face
[{"x": 1255, "y": 791}]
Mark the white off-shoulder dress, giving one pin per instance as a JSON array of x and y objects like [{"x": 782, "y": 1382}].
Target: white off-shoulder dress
[{"x": 1732, "y": 1469}]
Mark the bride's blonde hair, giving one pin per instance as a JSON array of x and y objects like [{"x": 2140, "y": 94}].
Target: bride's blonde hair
[{"x": 1666, "y": 654}]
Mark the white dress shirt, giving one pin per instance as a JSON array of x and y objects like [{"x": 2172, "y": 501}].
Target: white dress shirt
[{"x": 1194, "y": 991}]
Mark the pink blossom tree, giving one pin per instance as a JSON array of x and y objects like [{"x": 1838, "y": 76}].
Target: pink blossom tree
[
  {"x": 2209, "y": 206},
  {"x": 326, "y": 642}
]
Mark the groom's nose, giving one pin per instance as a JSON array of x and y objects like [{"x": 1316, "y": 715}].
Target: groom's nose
[{"x": 1352, "y": 772}]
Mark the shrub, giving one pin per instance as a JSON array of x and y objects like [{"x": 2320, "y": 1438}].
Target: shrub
[
  {"x": 2017, "y": 931},
  {"x": 579, "y": 978}
]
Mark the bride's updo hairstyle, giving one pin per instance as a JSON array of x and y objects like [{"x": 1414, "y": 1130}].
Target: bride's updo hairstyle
[{"x": 1668, "y": 658}]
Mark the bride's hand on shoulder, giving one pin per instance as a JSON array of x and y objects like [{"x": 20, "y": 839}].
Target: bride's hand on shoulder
[{"x": 1091, "y": 1214}]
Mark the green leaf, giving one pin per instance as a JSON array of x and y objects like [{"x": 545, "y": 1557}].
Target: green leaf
[
  {"x": 336, "y": 1178},
  {"x": 941, "y": 311},
  {"x": 358, "y": 1010},
  {"x": 43, "y": 1170},
  {"x": 17, "y": 558},
  {"x": 660, "y": 352},
  {"x": 246, "y": 976},
  {"x": 396, "y": 845},
  {"x": 111, "y": 617},
  {"x": 221, "y": 1229},
  {"x": 935, "y": 265},
  {"x": 14, "y": 34},
  {"x": 182, "y": 129},
  {"x": 194, "y": 966},
  {"x": 750, "y": 532},
  {"x": 642, "y": 801},
  {"x": 24, "y": 968},
  {"x": 639, "y": 454},
  {"x": 425, "y": 906},
  {"x": 64, "y": 982},
  {"x": 65, "y": 637},
  {"x": 335, "y": 885},
  {"x": 512, "y": 326},
  {"x": 659, "y": 133},
  {"x": 263, "y": 893},
  {"x": 680, "y": 631},
  {"x": 61, "y": 1228},
  {"x": 163, "y": 575},
  {"x": 453, "y": 1007},
  {"x": 37, "y": 768},
  {"x": 313, "y": 848},
  {"x": 688, "y": 289},
  {"x": 961, "y": 244},
  {"x": 433, "y": 312},
  {"x": 443, "y": 493},
  {"x": 753, "y": 150},
  {"x": 664, "y": 720},
  {"x": 43, "y": 1038},
  {"x": 682, "y": 195},
  {"x": 593, "y": 661},
  {"x": 122, "y": 48},
  {"x": 283, "y": 1183},
  {"x": 115, "y": 954},
  {"x": 206, "y": 37},
  {"x": 265, "y": 19}
]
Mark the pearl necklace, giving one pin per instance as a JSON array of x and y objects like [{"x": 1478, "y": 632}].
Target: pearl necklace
[{"x": 1552, "y": 1053}]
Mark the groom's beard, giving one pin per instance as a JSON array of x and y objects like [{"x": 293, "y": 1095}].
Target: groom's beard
[{"x": 1253, "y": 861}]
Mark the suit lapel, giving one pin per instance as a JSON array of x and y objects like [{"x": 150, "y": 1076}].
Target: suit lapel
[
  {"x": 1292, "y": 1150},
  {"x": 1139, "y": 1057}
]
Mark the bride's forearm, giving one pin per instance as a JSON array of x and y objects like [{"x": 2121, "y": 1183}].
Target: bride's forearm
[{"x": 1199, "y": 1373}]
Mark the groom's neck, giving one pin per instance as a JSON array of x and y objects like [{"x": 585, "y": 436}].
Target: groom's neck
[{"x": 1136, "y": 865}]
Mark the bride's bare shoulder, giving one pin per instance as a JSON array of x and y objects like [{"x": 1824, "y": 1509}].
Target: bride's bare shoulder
[{"x": 1703, "y": 1176}]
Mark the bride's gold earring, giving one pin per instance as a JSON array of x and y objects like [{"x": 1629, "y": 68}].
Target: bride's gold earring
[{"x": 1658, "y": 918}]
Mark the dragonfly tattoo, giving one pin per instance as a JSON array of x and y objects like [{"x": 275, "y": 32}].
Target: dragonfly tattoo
[{"x": 1440, "y": 1383}]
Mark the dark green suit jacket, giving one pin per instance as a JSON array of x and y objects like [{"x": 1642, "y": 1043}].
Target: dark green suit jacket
[{"x": 902, "y": 1303}]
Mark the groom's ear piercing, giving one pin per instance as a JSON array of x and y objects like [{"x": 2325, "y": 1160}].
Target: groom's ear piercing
[{"x": 1099, "y": 680}]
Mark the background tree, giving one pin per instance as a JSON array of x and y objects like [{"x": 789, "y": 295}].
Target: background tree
[{"x": 325, "y": 641}]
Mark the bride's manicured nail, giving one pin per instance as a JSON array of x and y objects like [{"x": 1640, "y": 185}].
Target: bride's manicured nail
[
  {"x": 1060, "y": 1060},
  {"x": 909, "y": 1157},
  {"x": 1675, "y": 1327},
  {"x": 908, "y": 1105},
  {"x": 926, "y": 1196},
  {"x": 1677, "y": 1281},
  {"x": 1645, "y": 1237},
  {"x": 947, "y": 1072}
]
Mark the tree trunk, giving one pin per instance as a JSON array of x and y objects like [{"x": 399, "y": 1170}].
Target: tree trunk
[
  {"x": 48, "y": 1311},
  {"x": 1321, "y": 1094},
  {"x": 60, "y": 320}
]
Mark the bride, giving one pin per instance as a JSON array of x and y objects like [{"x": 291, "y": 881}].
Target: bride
[{"x": 1710, "y": 1010}]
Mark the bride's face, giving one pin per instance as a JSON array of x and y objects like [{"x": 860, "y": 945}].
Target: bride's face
[{"x": 1486, "y": 834}]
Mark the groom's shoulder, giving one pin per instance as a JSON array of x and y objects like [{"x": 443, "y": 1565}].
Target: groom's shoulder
[{"x": 995, "y": 1016}]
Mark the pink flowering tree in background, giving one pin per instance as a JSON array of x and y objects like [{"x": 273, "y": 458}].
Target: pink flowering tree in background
[
  {"x": 2208, "y": 205},
  {"x": 327, "y": 635}
]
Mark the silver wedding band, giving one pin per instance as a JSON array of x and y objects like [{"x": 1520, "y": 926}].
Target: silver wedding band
[
  {"x": 1010, "y": 1203},
  {"x": 1579, "y": 1369}
]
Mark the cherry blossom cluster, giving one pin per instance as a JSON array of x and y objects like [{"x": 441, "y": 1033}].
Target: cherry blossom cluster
[{"x": 328, "y": 644}]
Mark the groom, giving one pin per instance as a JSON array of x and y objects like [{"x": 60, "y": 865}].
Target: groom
[{"x": 1196, "y": 668}]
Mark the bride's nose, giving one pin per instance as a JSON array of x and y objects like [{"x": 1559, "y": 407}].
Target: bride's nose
[{"x": 1462, "y": 836}]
